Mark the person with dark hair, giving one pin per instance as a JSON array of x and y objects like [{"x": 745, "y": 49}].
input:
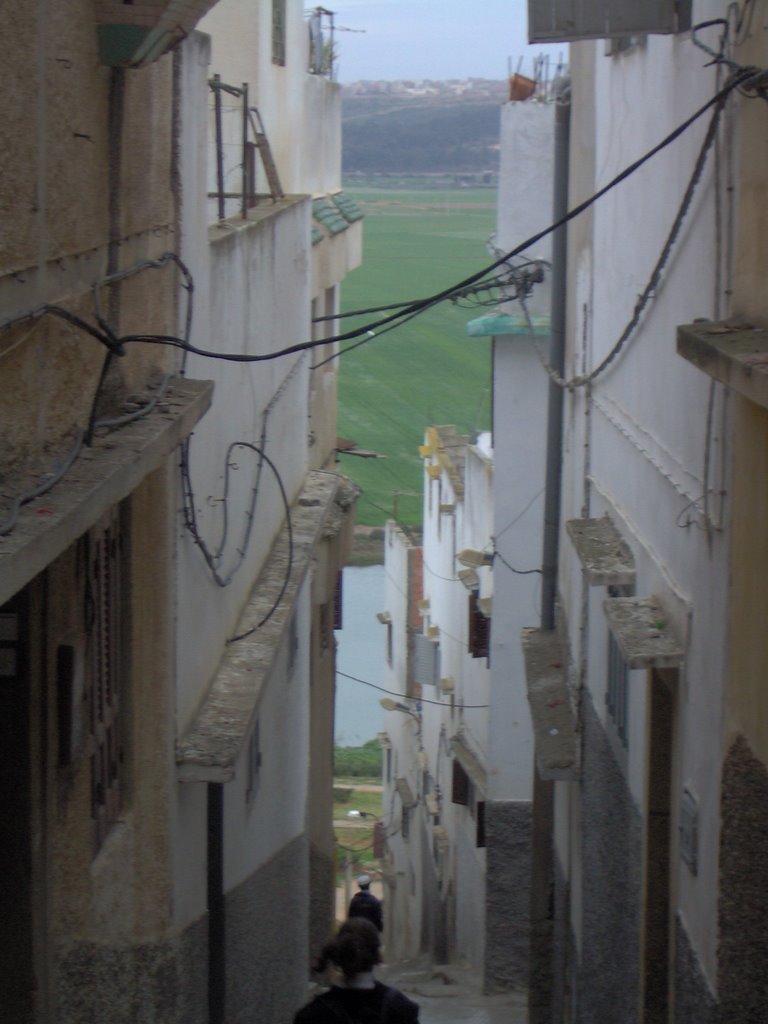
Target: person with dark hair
[
  {"x": 357, "y": 998},
  {"x": 365, "y": 904}
]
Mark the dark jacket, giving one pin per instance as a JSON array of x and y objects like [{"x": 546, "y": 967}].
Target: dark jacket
[
  {"x": 379, "y": 1005},
  {"x": 365, "y": 904}
]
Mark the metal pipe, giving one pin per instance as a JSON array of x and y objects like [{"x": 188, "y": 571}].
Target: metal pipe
[
  {"x": 244, "y": 179},
  {"x": 556, "y": 359},
  {"x": 219, "y": 145}
]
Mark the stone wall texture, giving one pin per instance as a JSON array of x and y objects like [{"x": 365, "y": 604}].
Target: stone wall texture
[
  {"x": 267, "y": 939},
  {"x": 158, "y": 983},
  {"x": 743, "y": 910},
  {"x": 694, "y": 1003},
  {"x": 609, "y": 972},
  {"x": 508, "y": 888}
]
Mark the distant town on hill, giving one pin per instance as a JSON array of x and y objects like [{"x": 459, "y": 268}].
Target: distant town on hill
[{"x": 423, "y": 127}]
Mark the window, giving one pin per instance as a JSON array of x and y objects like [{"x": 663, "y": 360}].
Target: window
[
  {"x": 479, "y": 631},
  {"x": 104, "y": 672},
  {"x": 278, "y": 32},
  {"x": 426, "y": 660},
  {"x": 460, "y": 785},
  {"x": 480, "y": 833},
  {"x": 405, "y": 826},
  {"x": 616, "y": 693},
  {"x": 565, "y": 20}
]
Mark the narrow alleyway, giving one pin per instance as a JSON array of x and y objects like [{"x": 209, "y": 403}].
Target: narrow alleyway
[{"x": 453, "y": 995}]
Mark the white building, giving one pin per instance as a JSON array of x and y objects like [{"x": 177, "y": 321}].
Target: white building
[
  {"x": 658, "y": 838},
  {"x": 469, "y": 867},
  {"x": 167, "y": 785},
  {"x": 436, "y": 735}
]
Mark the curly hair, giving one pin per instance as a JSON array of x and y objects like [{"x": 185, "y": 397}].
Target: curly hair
[{"x": 354, "y": 949}]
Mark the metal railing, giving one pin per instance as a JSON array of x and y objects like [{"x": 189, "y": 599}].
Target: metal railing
[{"x": 253, "y": 139}]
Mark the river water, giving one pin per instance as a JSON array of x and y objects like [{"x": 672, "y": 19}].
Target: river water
[{"x": 360, "y": 653}]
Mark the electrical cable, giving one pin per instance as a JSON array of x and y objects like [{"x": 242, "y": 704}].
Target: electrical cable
[
  {"x": 405, "y": 696},
  {"x": 23, "y": 499},
  {"x": 517, "y": 572},
  {"x": 289, "y": 565},
  {"x": 648, "y": 291},
  {"x": 741, "y": 78},
  {"x": 519, "y": 515}
]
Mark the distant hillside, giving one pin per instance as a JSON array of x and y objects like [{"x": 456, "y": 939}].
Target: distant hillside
[{"x": 431, "y": 128}]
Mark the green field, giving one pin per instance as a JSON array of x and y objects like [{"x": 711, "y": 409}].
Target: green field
[{"x": 428, "y": 371}]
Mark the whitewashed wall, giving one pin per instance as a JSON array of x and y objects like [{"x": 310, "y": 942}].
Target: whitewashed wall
[{"x": 647, "y": 434}]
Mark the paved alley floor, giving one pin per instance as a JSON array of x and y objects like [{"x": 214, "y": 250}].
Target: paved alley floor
[{"x": 453, "y": 995}]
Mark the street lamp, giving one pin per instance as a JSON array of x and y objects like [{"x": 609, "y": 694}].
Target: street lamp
[{"x": 395, "y": 705}]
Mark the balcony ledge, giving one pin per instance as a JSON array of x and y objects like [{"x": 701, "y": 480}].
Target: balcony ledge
[
  {"x": 554, "y": 720},
  {"x": 469, "y": 760},
  {"x": 644, "y": 633},
  {"x": 605, "y": 556},
  {"x": 736, "y": 354},
  {"x": 208, "y": 752},
  {"x": 102, "y": 475}
]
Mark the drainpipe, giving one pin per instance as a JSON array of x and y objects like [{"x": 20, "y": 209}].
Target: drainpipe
[
  {"x": 542, "y": 982},
  {"x": 556, "y": 358}
]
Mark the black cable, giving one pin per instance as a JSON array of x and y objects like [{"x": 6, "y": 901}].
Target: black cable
[
  {"x": 742, "y": 78},
  {"x": 517, "y": 572},
  {"x": 414, "y": 309},
  {"x": 289, "y": 526},
  {"x": 405, "y": 696}
]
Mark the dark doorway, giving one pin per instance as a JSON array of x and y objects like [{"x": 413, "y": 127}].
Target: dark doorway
[
  {"x": 658, "y": 916},
  {"x": 16, "y": 964}
]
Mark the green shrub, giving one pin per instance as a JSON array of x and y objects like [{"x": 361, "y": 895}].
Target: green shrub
[{"x": 358, "y": 762}]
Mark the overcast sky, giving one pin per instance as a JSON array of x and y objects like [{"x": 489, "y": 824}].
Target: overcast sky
[{"x": 436, "y": 39}]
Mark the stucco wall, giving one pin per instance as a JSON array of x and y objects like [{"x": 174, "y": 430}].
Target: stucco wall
[
  {"x": 520, "y": 388},
  {"x": 612, "y": 867},
  {"x": 301, "y": 112},
  {"x": 86, "y": 189},
  {"x": 267, "y": 925},
  {"x": 259, "y": 288}
]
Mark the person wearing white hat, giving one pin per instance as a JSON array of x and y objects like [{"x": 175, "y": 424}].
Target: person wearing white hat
[{"x": 365, "y": 904}]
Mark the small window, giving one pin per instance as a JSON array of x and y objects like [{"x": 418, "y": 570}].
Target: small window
[
  {"x": 480, "y": 834},
  {"x": 278, "y": 32},
  {"x": 616, "y": 692},
  {"x": 479, "y": 629},
  {"x": 461, "y": 785},
  {"x": 104, "y": 673},
  {"x": 426, "y": 660}
]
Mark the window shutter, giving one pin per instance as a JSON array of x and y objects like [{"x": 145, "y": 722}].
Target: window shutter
[
  {"x": 551, "y": 21},
  {"x": 426, "y": 660}
]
